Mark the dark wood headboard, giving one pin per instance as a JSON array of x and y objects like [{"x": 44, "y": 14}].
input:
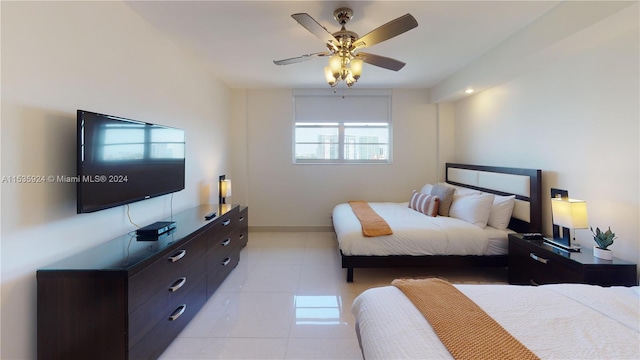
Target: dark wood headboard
[{"x": 525, "y": 184}]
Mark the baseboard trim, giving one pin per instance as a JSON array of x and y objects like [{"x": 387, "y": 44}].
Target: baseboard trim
[{"x": 327, "y": 228}]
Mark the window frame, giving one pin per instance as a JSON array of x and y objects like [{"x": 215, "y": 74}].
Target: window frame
[{"x": 342, "y": 126}]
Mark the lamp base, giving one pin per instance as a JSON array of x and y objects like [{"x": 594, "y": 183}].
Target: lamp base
[{"x": 604, "y": 254}]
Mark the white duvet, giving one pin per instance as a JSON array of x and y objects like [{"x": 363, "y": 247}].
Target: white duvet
[
  {"x": 414, "y": 234},
  {"x": 562, "y": 321}
]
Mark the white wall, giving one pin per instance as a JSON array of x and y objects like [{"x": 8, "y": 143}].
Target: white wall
[
  {"x": 281, "y": 194},
  {"x": 577, "y": 119},
  {"x": 99, "y": 56}
]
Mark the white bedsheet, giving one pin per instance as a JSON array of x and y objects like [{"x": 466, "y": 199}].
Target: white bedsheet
[
  {"x": 415, "y": 234},
  {"x": 562, "y": 321}
]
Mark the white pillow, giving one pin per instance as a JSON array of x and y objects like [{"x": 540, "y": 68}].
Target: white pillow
[
  {"x": 501, "y": 211},
  {"x": 474, "y": 209},
  {"x": 426, "y": 189}
]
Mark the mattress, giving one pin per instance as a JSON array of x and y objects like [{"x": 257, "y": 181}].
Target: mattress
[
  {"x": 563, "y": 321},
  {"x": 415, "y": 234}
]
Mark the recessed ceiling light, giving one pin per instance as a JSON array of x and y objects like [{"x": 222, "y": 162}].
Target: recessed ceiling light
[{"x": 468, "y": 91}]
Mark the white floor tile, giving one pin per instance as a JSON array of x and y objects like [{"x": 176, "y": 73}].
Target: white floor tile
[
  {"x": 255, "y": 314},
  {"x": 273, "y": 277},
  {"x": 333, "y": 349},
  {"x": 184, "y": 348},
  {"x": 244, "y": 348}
]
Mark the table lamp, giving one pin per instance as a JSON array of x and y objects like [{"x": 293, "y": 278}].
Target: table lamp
[
  {"x": 570, "y": 214},
  {"x": 224, "y": 189}
]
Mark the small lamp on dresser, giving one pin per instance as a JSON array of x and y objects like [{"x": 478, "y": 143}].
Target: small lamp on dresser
[
  {"x": 224, "y": 189},
  {"x": 570, "y": 214}
]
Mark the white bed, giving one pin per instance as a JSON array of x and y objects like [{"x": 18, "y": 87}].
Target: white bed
[
  {"x": 446, "y": 235},
  {"x": 561, "y": 321},
  {"x": 419, "y": 240}
]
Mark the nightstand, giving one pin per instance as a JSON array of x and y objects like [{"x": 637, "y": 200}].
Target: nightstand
[{"x": 533, "y": 262}]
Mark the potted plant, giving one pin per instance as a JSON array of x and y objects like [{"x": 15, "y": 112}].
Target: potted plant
[{"x": 604, "y": 240}]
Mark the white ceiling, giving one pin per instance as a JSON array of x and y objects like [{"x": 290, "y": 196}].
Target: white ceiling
[{"x": 240, "y": 39}]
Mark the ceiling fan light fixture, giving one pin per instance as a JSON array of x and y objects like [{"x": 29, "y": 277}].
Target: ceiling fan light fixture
[
  {"x": 331, "y": 80},
  {"x": 335, "y": 65},
  {"x": 356, "y": 68},
  {"x": 349, "y": 80}
]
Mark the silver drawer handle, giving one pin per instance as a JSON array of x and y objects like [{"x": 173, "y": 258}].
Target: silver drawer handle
[
  {"x": 179, "y": 255},
  {"x": 226, "y": 222},
  {"x": 241, "y": 219},
  {"x": 538, "y": 258},
  {"x": 226, "y": 241},
  {"x": 226, "y": 261},
  {"x": 179, "y": 311},
  {"x": 178, "y": 284}
]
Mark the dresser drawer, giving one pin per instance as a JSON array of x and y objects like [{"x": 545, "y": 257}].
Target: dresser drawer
[
  {"x": 218, "y": 270},
  {"x": 219, "y": 247},
  {"x": 530, "y": 265},
  {"x": 243, "y": 224},
  {"x": 545, "y": 269},
  {"x": 223, "y": 225},
  {"x": 171, "y": 296},
  {"x": 153, "y": 344},
  {"x": 154, "y": 277}
]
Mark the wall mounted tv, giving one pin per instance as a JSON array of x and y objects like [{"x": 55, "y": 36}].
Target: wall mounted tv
[{"x": 121, "y": 161}]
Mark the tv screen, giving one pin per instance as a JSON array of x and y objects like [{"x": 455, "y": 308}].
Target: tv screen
[{"x": 121, "y": 161}]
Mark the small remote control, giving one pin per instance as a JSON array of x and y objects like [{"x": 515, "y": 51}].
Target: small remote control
[
  {"x": 210, "y": 216},
  {"x": 532, "y": 236}
]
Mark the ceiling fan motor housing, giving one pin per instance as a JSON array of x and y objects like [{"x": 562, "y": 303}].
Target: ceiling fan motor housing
[
  {"x": 343, "y": 15},
  {"x": 345, "y": 38}
]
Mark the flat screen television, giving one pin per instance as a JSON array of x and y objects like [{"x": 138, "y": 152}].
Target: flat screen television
[{"x": 121, "y": 161}]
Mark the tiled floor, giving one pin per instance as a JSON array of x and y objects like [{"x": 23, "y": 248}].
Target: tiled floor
[{"x": 288, "y": 299}]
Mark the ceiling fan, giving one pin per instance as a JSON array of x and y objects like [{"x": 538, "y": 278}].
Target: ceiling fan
[{"x": 345, "y": 59}]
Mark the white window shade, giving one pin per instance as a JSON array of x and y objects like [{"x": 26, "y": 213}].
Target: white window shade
[{"x": 335, "y": 108}]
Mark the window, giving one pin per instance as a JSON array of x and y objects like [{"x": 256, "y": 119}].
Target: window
[{"x": 336, "y": 129}]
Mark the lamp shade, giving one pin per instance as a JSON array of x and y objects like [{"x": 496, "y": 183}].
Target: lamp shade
[
  {"x": 329, "y": 76},
  {"x": 356, "y": 68},
  {"x": 570, "y": 213},
  {"x": 225, "y": 188},
  {"x": 335, "y": 64}
]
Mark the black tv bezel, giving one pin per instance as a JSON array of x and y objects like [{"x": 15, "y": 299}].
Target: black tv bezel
[{"x": 80, "y": 207}]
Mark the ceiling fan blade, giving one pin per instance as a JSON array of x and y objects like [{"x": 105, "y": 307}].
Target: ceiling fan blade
[
  {"x": 314, "y": 27},
  {"x": 381, "y": 61},
  {"x": 300, "y": 58},
  {"x": 387, "y": 31}
]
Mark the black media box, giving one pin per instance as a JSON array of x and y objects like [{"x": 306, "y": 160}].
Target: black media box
[{"x": 156, "y": 229}]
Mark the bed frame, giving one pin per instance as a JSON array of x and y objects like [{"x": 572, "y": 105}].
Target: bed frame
[{"x": 526, "y": 184}]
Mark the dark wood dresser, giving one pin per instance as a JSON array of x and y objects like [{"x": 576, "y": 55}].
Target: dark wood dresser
[
  {"x": 128, "y": 298},
  {"x": 533, "y": 262}
]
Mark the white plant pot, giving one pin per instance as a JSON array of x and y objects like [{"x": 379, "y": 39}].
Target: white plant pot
[{"x": 602, "y": 253}]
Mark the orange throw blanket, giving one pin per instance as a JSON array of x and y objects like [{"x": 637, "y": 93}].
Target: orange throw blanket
[
  {"x": 372, "y": 223},
  {"x": 466, "y": 330}
]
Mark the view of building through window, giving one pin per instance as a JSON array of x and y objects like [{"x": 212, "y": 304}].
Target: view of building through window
[{"x": 349, "y": 142}]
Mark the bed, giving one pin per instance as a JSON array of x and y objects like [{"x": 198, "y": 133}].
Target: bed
[
  {"x": 563, "y": 321},
  {"x": 443, "y": 241}
]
